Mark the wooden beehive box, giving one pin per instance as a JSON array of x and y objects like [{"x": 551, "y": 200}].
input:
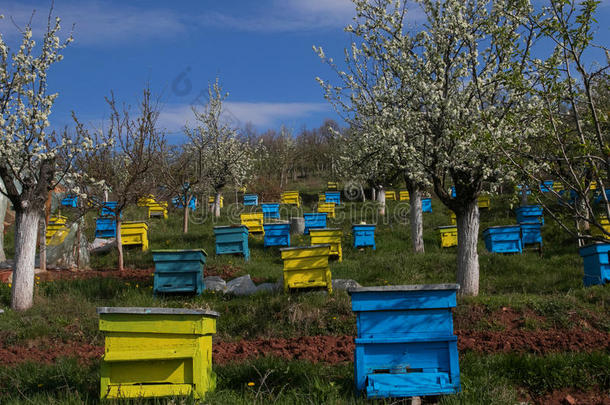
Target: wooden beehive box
[
  {"x": 306, "y": 267},
  {"x": 405, "y": 344},
  {"x": 156, "y": 352},
  {"x": 330, "y": 236}
]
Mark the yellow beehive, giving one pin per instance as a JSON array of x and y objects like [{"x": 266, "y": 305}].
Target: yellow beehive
[
  {"x": 156, "y": 352},
  {"x": 448, "y": 236},
  {"x": 329, "y": 208},
  {"x": 452, "y": 218},
  {"x": 253, "y": 221},
  {"x": 58, "y": 220},
  {"x": 306, "y": 267},
  {"x": 212, "y": 198},
  {"x": 157, "y": 210},
  {"x": 605, "y": 223},
  {"x": 291, "y": 197},
  {"x": 330, "y": 236},
  {"x": 146, "y": 201},
  {"x": 332, "y": 186},
  {"x": 593, "y": 185},
  {"x": 484, "y": 201},
  {"x": 390, "y": 195},
  {"x": 557, "y": 186},
  {"x": 403, "y": 195},
  {"x": 134, "y": 233},
  {"x": 322, "y": 197},
  {"x": 56, "y": 234}
]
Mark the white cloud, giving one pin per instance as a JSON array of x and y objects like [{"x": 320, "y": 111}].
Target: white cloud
[
  {"x": 96, "y": 22},
  {"x": 262, "y": 114}
]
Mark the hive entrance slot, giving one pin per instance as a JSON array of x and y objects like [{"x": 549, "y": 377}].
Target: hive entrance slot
[{"x": 382, "y": 371}]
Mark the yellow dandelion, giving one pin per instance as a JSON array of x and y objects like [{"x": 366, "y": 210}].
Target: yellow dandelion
[
  {"x": 250, "y": 384},
  {"x": 39, "y": 385},
  {"x": 334, "y": 317},
  {"x": 9, "y": 285},
  {"x": 137, "y": 286},
  {"x": 37, "y": 278}
]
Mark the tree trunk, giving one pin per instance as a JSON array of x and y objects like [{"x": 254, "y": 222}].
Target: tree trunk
[
  {"x": 3, "y": 209},
  {"x": 185, "y": 220},
  {"x": 524, "y": 200},
  {"x": 217, "y": 205},
  {"x": 119, "y": 242},
  {"x": 381, "y": 201},
  {"x": 26, "y": 228},
  {"x": 417, "y": 219},
  {"x": 467, "y": 256},
  {"x": 105, "y": 195},
  {"x": 42, "y": 244}
]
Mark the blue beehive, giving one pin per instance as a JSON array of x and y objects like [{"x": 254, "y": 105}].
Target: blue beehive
[
  {"x": 596, "y": 258},
  {"x": 546, "y": 186},
  {"x": 529, "y": 213},
  {"x": 453, "y": 193},
  {"x": 333, "y": 197},
  {"x": 178, "y": 202},
  {"x": 364, "y": 235},
  {"x": 530, "y": 233},
  {"x": 250, "y": 199},
  {"x": 108, "y": 208},
  {"x": 405, "y": 344},
  {"x": 105, "y": 227},
  {"x": 179, "y": 271},
  {"x": 277, "y": 234},
  {"x": 568, "y": 199},
  {"x": 599, "y": 198},
  {"x": 314, "y": 220},
  {"x": 503, "y": 239},
  {"x": 70, "y": 201},
  {"x": 271, "y": 210},
  {"x": 426, "y": 205},
  {"x": 232, "y": 239}
]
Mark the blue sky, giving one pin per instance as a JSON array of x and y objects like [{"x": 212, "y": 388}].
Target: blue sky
[{"x": 261, "y": 50}]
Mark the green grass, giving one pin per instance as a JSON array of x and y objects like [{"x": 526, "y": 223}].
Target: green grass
[{"x": 549, "y": 286}]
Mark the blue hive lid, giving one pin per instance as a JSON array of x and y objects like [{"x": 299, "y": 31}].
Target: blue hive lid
[{"x": 401, "y": 288}]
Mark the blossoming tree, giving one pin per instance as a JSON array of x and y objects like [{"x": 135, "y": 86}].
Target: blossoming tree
[
  {"x": 222, "y": 156},
  {"x": 446, "y": 97},
  {"x": 572, "y": 145},
  {"x": 33, "y": 160}
]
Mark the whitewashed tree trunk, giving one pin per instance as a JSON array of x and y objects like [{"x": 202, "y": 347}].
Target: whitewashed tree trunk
[
  {"x": 217, "y": 205},
  {"x": 467, "y": 255},
  {"x": 362, "y": 193},
  {"x": 42, "y": 243},
  {"x": 373, "y": 194},
  {"x": 119, "y": 242},
  {"x": 3, "y": 208},
  {"x": 26, "y": 228},
  {"x": 381, "y": 201},
  {"x": 417, "y": 220},
  {"x": 185, "y": 219},
  {"x": 105, "y": 195}
]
